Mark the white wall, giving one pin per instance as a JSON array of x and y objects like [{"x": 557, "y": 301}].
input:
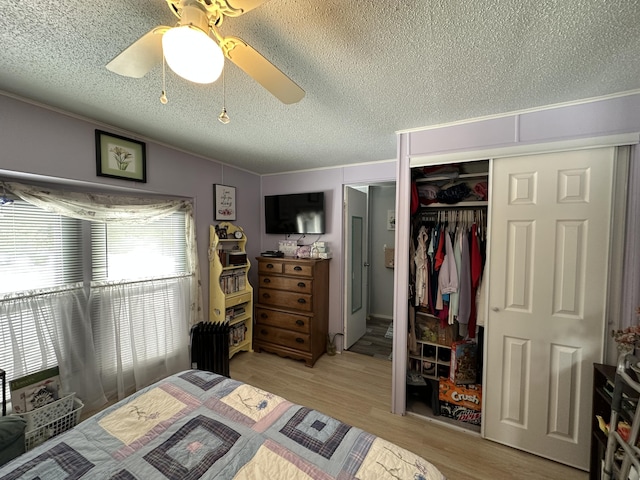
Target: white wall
[{"x": 43, "y": 144}]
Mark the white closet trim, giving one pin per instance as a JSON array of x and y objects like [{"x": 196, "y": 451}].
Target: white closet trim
[{"x": 526, "y": 149}]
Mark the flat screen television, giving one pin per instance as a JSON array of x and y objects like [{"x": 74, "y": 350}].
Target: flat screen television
[{"x": 295, "y": 213}]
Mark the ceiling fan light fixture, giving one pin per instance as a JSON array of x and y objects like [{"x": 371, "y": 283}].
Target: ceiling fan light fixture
[{"x": 192, "y": 54}]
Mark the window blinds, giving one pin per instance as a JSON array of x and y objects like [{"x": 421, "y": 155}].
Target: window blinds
[
  {"x": 38, "y": 249},
  {"x": 130, "y": 252}
]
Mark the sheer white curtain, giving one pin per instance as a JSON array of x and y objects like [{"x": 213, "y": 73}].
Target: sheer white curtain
[
  {"x": 137, "y": 339},
  {"x": 57, "y": 318}
]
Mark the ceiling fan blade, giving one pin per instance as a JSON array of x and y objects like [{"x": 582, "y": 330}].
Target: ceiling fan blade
[
  {"x": 141, "y": 56},
  {"x": 261, "y": 70},
  {"x": 243, "y": 6}
]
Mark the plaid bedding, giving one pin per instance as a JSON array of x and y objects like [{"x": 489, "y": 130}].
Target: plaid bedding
[{"x": 197, "y": 424}]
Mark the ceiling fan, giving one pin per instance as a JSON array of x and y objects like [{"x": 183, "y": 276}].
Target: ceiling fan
[{"x": 198, "y": 22}]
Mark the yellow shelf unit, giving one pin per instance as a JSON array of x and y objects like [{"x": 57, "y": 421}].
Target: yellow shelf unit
[{"x": 230, "y": 293}]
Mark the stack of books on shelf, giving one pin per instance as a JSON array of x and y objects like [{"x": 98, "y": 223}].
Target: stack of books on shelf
[
  {"x": 237, "y": 334},
  {"x": 231, "y": 282},
  {"x": 233, "y": 312}
]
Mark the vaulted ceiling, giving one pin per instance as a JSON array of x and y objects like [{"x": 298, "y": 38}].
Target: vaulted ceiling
[{"x": 369, "y": 68}]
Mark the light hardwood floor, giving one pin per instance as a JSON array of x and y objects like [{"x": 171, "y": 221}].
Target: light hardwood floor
[{"x": 356, "y": 389}]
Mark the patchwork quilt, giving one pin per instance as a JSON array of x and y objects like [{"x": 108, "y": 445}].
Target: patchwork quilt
[{"x": 197, "y": 424}]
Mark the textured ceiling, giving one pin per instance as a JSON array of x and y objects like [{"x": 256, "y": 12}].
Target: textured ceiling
[{"x": 369, "y": 68}]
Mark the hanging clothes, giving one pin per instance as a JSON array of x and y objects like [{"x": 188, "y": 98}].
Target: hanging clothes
[
  {"x": 440, "y": 251},
  {"x": 476, "y": 272},
  {"x": 422, "y": 272},
  {"x": 464, "y": 308},
  {"x": 454, "y": 297},
  {"x": 448, "y": 278},
  {"x": 481, "y": 303},
  {"x": 449, "y": 261}
]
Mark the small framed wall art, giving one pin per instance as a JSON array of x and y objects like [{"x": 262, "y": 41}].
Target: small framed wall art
[
  {"x": 391, "y": 219},
  {"x": 224, "y": 202},
  {"x": 120, "y": 157}
]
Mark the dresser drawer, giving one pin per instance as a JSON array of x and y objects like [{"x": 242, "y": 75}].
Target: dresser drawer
[
  {"x": 300, "y": 270},
  {"x": 271, "y": 266},
  {"x": 279, "y": 298},
  {"x": 301, "y": 285},
  {"x": 288, "y": 321},
  {"x": 286, "y": 338}
]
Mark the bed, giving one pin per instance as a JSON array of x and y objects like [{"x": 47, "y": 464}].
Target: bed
[{"x": 198, "y": 424}]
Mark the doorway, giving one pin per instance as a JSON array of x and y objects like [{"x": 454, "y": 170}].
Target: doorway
[{"x": 375, "y": 335}]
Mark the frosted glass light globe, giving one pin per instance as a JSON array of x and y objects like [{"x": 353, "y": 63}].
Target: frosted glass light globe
[{"x": 192, "y": 54}]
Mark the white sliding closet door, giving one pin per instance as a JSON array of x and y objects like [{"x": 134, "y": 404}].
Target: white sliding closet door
[{"x": 549, "y": 253}]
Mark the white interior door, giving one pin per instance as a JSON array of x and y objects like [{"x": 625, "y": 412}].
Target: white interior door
[
  {"x": 547, "y": 294},
  {"x": 356, "y": 249}
]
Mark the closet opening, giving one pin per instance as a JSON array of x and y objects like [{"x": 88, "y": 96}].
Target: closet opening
[{"x": 446, "y": 318}]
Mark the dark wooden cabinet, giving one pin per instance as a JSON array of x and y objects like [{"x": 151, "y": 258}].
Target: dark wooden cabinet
[{"x": 292, "y": 307}]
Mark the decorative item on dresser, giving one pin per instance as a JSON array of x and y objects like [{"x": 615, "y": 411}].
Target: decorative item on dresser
[
  {"x": 230, "y": 293},
  {"x": 292, "y": 308}
]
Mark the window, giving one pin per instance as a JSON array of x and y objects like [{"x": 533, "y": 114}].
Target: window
[{"x": 133, "y": 281}]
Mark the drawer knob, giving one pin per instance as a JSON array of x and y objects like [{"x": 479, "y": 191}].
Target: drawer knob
[
  {"x": 297, "y": 268},
  {"x": 263, "y": 332},
  {"x": 264, "y": 315},
  {"x": 266, "y": 280},
  {"x": 301, "y": 284},
  {"x": 302, "y": 300},
  {"x": 269, "y": 265},
  {"x": 300, "y": 340},
  {"x": 300, "y": 322},
  {"x": 266, "y": 295}
]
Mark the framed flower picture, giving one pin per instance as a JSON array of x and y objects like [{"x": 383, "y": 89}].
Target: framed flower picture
[
  {"x": 224, "y": 202},
  {"x": 120, "y": 157}
]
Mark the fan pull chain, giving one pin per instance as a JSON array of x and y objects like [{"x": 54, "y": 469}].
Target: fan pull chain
[
  {"x": 163, "y": 96},
  {"x": 223, "y": 117}
]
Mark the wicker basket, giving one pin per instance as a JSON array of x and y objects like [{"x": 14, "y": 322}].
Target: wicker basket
[{"x": 55, "y": 426}]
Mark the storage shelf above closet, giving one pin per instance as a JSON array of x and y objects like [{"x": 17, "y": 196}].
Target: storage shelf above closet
[
  {"x": 462, "y": 176},
  {"x": 462, "y": 204}
]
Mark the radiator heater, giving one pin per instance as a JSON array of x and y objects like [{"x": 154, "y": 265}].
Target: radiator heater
[{"x": 210, "y": 347}]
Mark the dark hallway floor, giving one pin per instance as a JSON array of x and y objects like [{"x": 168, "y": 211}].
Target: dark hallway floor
[{"x": 378, "y": 339}]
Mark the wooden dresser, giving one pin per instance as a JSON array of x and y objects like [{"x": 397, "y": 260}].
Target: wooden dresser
[{"x": 292, "y": 307}]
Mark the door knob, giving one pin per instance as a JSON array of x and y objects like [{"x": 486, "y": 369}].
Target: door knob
[
  {"x": 495, "y": 309},
  {"x": 366, "y": 264}
]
